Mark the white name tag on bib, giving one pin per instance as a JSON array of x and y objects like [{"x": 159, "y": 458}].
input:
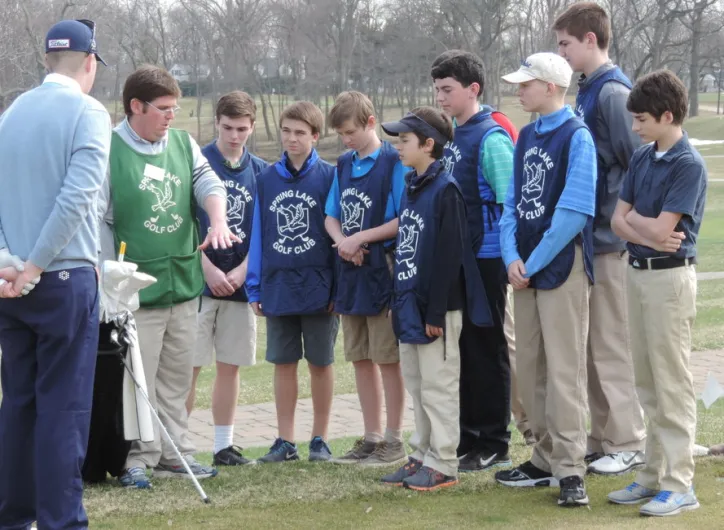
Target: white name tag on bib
[{"x": 154, "y": 172}]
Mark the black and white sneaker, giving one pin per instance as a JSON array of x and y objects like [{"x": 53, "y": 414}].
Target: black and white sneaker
[
  {"x": 231, "y": 456},
  {"x": 475, "y": 461},
  {"x": 573, "y": 492},
  {"x": 526, "y": 475}
]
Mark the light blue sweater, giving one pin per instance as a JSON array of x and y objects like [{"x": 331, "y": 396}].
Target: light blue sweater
[{"x": 54, "y": 145}]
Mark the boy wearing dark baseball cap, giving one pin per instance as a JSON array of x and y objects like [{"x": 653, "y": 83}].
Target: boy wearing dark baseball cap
[
  {"x": 435, "y": 277},
  {"x": 547, "y": 247},
  {"x": 73, "y": 36}
]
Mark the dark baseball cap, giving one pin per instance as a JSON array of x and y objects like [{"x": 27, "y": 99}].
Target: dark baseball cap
[
  {"x": 73, "y": 35},
  {"x": 413, "y": 123}
]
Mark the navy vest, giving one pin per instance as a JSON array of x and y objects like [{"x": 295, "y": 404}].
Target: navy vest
[
  {"x": 297, "y": 274},
  {"x": 365, "y": 290},
  {"x": 541, "y": 165},
  {"x": 462, "y": 160},
  {"x": 414, "y": 256},
  {"x": 587, "y": 110},
  {"x": 240, "y": 192}
]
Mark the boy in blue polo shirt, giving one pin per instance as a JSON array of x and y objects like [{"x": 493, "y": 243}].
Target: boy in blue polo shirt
[
  {"x": 362, "y": 210},
  {"x": 436, "y": 280},
  {"x": 227, "y": 324},
  {"x": 659, "y": 214},
  {"x": 546, "y": 237},
  {"x": 291, "y": 277}
]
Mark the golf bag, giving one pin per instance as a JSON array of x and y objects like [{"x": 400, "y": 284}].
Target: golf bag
[{"x": 107, "y": 447}]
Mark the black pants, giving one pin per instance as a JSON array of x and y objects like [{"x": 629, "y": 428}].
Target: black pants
[{"x": 485, "y": 371}]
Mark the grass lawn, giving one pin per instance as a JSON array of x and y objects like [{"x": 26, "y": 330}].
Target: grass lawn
[{"x": 304, "y": 495}]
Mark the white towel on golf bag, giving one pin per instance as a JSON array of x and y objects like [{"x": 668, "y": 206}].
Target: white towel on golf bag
[
  {"x": 137, "y": 421},
  {"x": 120, "y": 283}
]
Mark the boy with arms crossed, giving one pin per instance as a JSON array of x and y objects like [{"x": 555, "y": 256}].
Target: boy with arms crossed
[
  {"x": 362, "y": 210},
  {"x": 227, "y": 323},
  {"x": 659, "y": 214},
  {"x": 290, "y": 278},
  {"x": 548, "y": 249},
  {"x": 616, "y": 440}
]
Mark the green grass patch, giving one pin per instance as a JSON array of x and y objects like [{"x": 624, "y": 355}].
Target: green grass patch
[{"x": 305, "y": 495}]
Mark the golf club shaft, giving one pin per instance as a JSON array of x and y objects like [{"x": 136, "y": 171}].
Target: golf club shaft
[{"x": 198, "y": 487}]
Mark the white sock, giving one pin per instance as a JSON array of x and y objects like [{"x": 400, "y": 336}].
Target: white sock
[
  {"x": 223, "y": 437},
  {"x": 373, "y": 437},
  {"x": 393, "y": 435}
]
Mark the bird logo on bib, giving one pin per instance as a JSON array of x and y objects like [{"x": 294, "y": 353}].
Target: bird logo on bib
[
  {"x": 292, "y": 209},
  {"x": 535, "y": 166},
  {"x": 162, "y": 185}
]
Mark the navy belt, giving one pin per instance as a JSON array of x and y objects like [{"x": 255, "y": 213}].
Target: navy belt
[{"x": 664, "y": 262}]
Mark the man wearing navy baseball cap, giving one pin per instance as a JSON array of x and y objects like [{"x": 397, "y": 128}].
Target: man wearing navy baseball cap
[{"x": 54, "y": 146}]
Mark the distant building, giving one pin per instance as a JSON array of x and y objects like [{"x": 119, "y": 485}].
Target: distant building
[
  {"x": 708, "y": 83},
  {"x": 184, "y": 73}
]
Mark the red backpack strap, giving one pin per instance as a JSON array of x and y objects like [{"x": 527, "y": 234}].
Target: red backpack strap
[{"x": 506, "y": 124}]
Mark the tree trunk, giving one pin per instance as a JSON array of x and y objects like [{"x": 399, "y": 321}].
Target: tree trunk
[{"x": 696, "y": 30}]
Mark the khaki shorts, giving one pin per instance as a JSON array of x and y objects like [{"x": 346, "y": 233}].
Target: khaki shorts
[
  {"x": 229, "y": 328},
  {"x": 370, "y": 338}
]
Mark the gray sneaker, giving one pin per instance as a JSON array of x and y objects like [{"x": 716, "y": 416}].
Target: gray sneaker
[
  {"x": 386, "y": 454},
  {"x": 361, "y": 450},
  {"x": 179, "y": 471},
  {"x": 670, "y": 503},
  {"x": 634, "y": 493}
]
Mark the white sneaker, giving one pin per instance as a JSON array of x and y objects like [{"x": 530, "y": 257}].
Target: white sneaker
[
  {"x": 670, "y": 503},
  {"x": 632, "y": 494},
  {"x": 617, "y": 463},
  {"x": 700, "y": 450}
]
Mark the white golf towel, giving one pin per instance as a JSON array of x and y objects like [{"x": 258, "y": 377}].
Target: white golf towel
[{"x": 137, "y": 421}]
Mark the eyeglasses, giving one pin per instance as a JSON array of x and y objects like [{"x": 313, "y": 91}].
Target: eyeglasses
[
  {"x": 166, "y": 112},
  {"x": 91, "y": 26}
]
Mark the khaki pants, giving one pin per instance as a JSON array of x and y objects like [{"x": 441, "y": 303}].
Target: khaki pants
[
  {"x": 432, "y": 377},
  {"x": 617, "y": 421},
  {"x": 551, "y": 332},
  {"x": 516, "y": 402},
  {"x": 167, "y": 338},
  {"x": 662, "y": 308}
]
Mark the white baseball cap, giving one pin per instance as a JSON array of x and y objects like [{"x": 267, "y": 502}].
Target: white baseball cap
[{"x": 547, "y": 67}]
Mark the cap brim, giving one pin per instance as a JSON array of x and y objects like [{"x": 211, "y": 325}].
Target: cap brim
[
  {"x": 394, "y": 128},
  {"x": 518, "y": 77},
  {"x": 100, "y": 60}
]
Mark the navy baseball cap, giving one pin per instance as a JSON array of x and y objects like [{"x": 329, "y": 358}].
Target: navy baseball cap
[
  {"x": 413, "y": 123},
  {"x": 73, "y": 35}
]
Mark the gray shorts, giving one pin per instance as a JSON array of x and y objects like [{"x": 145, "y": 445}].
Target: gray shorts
[{"x": 284, "y": 336}]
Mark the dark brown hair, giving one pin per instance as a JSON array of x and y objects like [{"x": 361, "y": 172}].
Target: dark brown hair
[
  {"x": 658, "y": 92},
  {"x": 305, "y": 111},
  {"x": 585, "y": 17},
  {"x": 146, "y": 84},
  {"x": 440, "y": 121},
  {"x": 236, "y": 104},
  {"x": 351, "y": 105},
  {"x": 464, "y": 67}
]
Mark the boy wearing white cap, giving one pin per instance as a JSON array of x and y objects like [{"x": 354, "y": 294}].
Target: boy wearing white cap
[{"x": 547, "y": 247}]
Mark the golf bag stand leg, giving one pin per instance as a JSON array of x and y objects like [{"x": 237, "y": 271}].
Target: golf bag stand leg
[{"x": 198, "y": 487}]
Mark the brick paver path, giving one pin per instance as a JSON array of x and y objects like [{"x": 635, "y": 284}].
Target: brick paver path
[{"x": 256, "y": 424}]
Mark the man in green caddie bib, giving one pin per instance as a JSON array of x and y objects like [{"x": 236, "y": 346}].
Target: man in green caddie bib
[{"x": 157, "y": 176}]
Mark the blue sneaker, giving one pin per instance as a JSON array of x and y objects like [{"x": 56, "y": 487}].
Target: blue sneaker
[
  {"x": 281, "y": 451},
  {"x": 179, "y": 471},
  {"x": 319, "y": 451},
  {"x": 634, "y": 493},
  {"x": 135, "y": 477},
  {"x": 670, "y": 503}
]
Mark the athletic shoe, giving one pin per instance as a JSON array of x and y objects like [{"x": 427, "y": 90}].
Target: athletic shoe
[
  {"x": 408, "y": 470},
  {"x": 700, "y": 450},
  {"x": 526, "y": 475},
  {"x": 386, "y": 454},
  {"x": 592, "y": 457},
  {"x": 361, "y": 450},
  {"x": 281, "y": 451},
  {"x": 319, "y": 451},
  {"x": 634, "y": 493},
  {"x": 529, "y": 437},
  {"x": 670, "y": 503},
  {"x": 617, "y": 463},
  {"x": 475, "y": 461},
  {"x": 573, "y": 492},
  {"x": 231, "y": 456},
  {"x": 135, "y": 477},
  {"x": 179, "y": 471},
  {"x": 427, "y": 479}
]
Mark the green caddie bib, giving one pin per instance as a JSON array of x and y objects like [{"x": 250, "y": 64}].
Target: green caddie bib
[{"x": 154, "y": 213}]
